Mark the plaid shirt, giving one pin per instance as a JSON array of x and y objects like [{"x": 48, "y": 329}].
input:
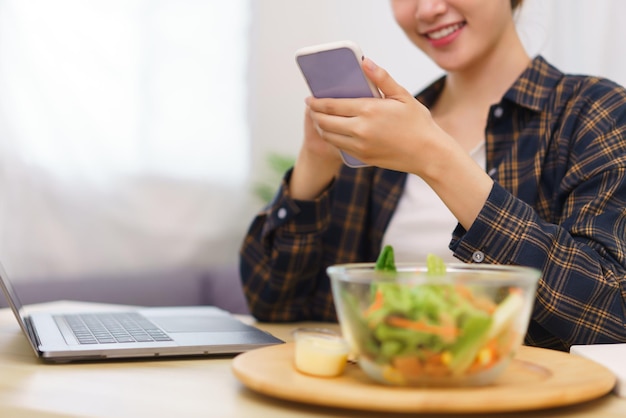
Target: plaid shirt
[{"x": 556, "y": 148}]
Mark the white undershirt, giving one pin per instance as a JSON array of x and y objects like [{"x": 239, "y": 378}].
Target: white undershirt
[{"x": 422, "y": 224}]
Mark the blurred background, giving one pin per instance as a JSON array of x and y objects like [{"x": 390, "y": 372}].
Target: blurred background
[{"x": 134, "y": 133}]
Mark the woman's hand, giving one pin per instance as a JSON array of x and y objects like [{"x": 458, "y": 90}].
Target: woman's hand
[
  {"x": 317, "y": 164},
  {"x": 315, "y": 146},
  {"x": 398, "y": 133}
]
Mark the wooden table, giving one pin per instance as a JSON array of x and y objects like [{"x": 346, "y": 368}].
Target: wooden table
[{"x": 167, "y": 388}]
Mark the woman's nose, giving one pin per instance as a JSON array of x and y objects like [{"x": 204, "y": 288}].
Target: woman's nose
[{"x": 428, "y": 10}]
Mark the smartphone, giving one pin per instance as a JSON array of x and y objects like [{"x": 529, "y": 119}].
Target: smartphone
[{"x": 333, "y": 70}]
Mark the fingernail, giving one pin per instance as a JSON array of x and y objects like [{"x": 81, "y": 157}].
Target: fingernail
[{"x": 370, "y": 64}]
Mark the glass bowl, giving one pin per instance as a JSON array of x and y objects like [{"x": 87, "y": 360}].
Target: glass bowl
[{"x": 412, "y": 328}]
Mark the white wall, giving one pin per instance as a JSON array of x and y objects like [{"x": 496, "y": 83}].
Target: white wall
[
  {"x": 123, "y": 144},
  {"x": 277, "y": 88}
]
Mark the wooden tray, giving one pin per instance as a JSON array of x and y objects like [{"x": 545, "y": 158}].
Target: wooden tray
[{"x": 537, "y": 378}]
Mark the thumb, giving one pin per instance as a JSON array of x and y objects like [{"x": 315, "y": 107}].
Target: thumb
[{"x": 381, "y": 78}]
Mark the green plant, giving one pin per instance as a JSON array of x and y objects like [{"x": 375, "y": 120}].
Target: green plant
[{"x": 278, "y": 164}]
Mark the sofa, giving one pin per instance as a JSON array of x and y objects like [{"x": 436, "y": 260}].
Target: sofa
[{"x": 219, "y": 286}]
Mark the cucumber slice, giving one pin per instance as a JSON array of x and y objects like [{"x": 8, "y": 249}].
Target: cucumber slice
[
  {"x": 505, "y": 313},
  {"x": 435, "y": 266}
]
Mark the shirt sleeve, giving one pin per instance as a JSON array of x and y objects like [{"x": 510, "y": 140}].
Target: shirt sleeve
[
  {"x": 581, "y": 253},
  {"x": 281, "y": 260}
]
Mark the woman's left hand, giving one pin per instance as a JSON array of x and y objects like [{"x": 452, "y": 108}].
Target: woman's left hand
[
  {"x": 396, "y": 132},
  {"x": 399, "y": 133}
]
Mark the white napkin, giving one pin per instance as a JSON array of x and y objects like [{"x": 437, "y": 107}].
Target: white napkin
[{"x": 611, "y": 356}]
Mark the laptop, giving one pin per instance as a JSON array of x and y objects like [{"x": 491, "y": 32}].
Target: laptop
[{"x": 152, "y": 332}]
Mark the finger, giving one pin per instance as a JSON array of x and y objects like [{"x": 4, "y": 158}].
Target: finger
[
  {"x": 332, "y": 123},
  {"x": 337, "y": 107},
  {"x": 381, "y": 78},
  {"x": 340, "y": 141}
]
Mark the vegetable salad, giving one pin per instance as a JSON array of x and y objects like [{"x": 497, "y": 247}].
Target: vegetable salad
[{"x": 433, "y": 330}]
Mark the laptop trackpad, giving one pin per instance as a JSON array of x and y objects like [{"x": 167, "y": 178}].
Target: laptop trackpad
[{"x": 199, "y": 324}]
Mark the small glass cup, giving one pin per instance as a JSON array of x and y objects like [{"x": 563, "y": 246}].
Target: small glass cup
[{"x": 320, "y": 352}]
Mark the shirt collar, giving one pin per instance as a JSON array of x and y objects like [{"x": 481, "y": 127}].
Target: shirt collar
[
  {"x": 531, "y": 89},
  {"x": 535, "y": 85}
]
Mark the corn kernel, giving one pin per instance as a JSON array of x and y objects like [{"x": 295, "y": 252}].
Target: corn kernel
[
  {"x": 392, "y": 375},
  {"x": 446, "y": 357},
  {"x": 484, "y": 357}
]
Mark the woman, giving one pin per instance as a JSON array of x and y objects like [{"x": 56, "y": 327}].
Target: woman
[{"x": 529, "y": 162}]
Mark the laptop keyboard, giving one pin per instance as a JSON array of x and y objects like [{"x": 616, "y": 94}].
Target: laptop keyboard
[{"x": 115, "y": 327}]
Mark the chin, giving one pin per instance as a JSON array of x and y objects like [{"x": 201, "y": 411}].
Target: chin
[
  {"x": 453, "y": 61},
  {"x": 451, "y": 64}
]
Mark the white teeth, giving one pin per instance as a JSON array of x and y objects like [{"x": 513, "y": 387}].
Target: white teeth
[{"x": 442, "y": 33}]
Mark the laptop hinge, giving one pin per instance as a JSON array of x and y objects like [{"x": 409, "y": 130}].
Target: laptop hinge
[{"x": 34, "y": 340}]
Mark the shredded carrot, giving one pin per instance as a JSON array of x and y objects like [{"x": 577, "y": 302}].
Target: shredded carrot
[
  {"x": 377, "y": 304},
  {"x": 486, "y": 358},
  {"x": 464, "y": 292},
  {"x": 410, "y": 366},
  {"x": 484, "y": 304},
  {"x": 444, "y": 331},
  {"x": 506, "y": 340},
  {"x": 479, "y": 302},
  {"x": 435, "y": 367}
]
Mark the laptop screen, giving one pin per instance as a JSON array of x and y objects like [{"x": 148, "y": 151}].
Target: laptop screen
[{"x": 16, "y": 305}]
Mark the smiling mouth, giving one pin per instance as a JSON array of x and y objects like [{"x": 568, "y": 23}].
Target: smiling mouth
[{"x": 443, "y": 32}]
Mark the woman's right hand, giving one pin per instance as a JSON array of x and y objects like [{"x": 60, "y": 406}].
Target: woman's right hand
[{"x": 317, "y": 164}]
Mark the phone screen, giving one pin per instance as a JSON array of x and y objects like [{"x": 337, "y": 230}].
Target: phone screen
[{"x": 334, "y": 73}]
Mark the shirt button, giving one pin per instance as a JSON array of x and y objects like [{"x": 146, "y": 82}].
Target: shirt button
[
  {"x": 478, "y": 256},
  {"x": 498, "y": 112},
  {"x": 282, "y": 213}
]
